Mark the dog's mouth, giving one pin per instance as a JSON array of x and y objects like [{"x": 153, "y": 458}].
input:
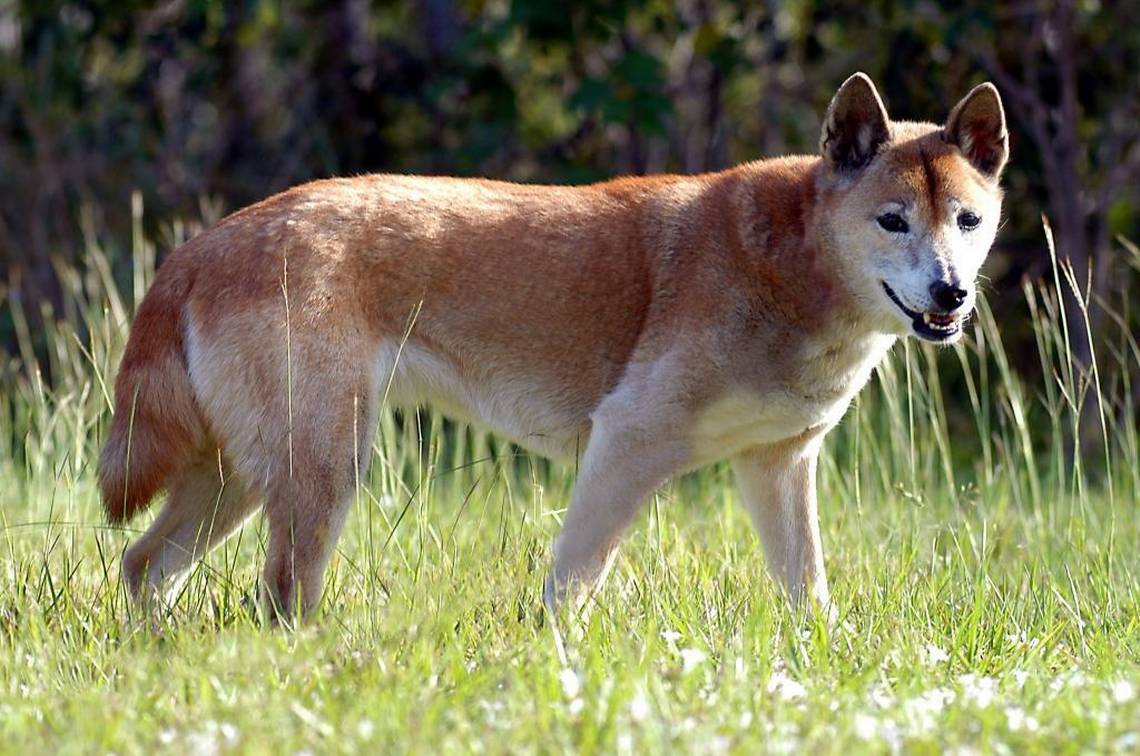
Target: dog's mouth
[{"x": 932, "y": 326}]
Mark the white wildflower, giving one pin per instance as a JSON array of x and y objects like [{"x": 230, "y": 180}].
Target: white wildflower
[
  {"x": 1015, "y": 639},
  {"x": 691, "y": 658},
  {"x": 576, "y": 706},
  {"x": 932, "y": 655},
  {"x": 1019, "y": 721},
  {"x": 1072, "y": 679},
  {"x": 708, "y": 695},
  {"x": 785, "y": 688},
  {"x": 922, "y": 711},
  {"x": 1122, "y": 691},
  {"x": 571, "y": 684},
  {"x": 492, "y": 711},
  {"x": 1022, "y": 640},
  {"x": 365, "y": 728},
  {"x": 866, "y": 726},
  {"x": 784, "y": 741},
  {"x": 229, "y": 733},
  {"x": 202, "y": 744},
  {"x": 881, "y": 696},
  {"x": 639, "y": 709},
  {"x": 745, "y": 720},
  {"x": 670, "y": 636},
  {"x": 892, "y": 735},
  {"x": 978, "y": 691}
]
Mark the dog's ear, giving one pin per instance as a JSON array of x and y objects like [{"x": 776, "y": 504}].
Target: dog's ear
[
  {"x": 977, "y": 127},
  {"x": 856, "y": 125}
]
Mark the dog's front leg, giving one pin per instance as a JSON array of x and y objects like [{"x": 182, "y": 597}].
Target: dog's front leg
[
  {"x": 777, "y": 486},
  {"x": 625, "y": 460}
]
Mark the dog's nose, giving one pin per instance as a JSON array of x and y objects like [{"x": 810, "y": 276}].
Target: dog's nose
[{"x": 948, "y": 295}]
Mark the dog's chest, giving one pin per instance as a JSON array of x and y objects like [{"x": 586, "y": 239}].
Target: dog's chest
[
  {"x": 742, "y": 419},
  {"x": 812, "y": 392}
]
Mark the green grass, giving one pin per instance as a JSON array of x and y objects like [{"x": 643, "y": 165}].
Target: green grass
[{"x": 987, "y": 590}]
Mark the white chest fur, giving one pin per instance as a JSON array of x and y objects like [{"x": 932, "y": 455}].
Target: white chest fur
[{"x": 814, "y": 394}]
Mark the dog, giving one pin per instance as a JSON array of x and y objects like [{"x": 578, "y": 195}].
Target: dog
[{"x": 639, "y": 327}]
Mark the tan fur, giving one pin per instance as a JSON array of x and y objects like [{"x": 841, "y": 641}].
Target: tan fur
[{"x": 650, "y": 325}]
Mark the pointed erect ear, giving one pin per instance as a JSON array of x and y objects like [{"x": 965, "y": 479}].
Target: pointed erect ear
[
  {"x": 855, "y": 126},
  {"x": 977, "y": 126}
]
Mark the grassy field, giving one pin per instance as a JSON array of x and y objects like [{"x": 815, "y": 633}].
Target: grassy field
[{"x": 987, "y": 590}]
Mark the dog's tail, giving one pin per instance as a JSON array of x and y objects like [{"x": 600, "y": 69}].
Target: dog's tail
[{"x": 156, "y": 427}]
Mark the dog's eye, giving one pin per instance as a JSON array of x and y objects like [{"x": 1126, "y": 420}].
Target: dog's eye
[
  {"x": 893, "y": 223},
  {"x": 968, "y": 221}
]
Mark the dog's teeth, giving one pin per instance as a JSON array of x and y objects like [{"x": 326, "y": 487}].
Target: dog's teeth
[{"x": 926, "y": 318}]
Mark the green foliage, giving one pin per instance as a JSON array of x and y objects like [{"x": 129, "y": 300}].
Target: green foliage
[{"x": 233, "y": 101}]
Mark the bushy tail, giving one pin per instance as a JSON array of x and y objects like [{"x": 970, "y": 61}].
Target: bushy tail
[{"x": 157, "y": 427}]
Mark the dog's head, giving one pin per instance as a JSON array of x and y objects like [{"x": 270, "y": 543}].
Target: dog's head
[{"x": 912, "y": 208}]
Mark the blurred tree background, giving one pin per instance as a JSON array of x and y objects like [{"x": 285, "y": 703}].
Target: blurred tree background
[{"x": 202, "y": 106}]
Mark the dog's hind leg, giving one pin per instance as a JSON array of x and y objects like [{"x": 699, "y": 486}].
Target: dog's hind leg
[
  {"x": 326, "y": 452},
  {"x": 205, "y": 505}
]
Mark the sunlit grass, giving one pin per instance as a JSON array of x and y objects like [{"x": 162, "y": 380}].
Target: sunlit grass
[{"x": 987, "y": 588}]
